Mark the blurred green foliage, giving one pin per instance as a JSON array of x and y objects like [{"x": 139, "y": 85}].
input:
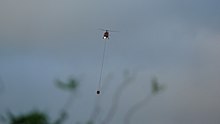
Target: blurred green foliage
[
  {"x": 156, "y": 87},
  {"x": 71, "y": 85},
  {"x": 34, "y": 117},
  {"x": 37, "y": 117}
]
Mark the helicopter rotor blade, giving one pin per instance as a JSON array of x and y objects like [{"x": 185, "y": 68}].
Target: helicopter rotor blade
[
  {"x": 108, "y": 30},
  {"x": 102, "y": 29},
  {"x": 113, "y": 31}
]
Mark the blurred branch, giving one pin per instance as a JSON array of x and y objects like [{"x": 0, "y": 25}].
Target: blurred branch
[
  {"x": 70, "y": 86},
  {"x": 62, "y": 118},
  {"x": 97, "y": 108},
  {"x": 3, "y": 119},
  {"x": 2, "y": 86},
  {"x": 128, "y": 78},
  {"x": 135, "y": 108},
  {"x": 8, "y": 118},
  {"x": 155, "y": 89}
]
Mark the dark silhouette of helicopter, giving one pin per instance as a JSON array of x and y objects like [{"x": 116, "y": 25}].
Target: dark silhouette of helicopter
[{"x": 106, "y": 33}]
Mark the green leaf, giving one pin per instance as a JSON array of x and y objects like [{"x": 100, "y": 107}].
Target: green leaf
[
  {"x": 156, "y": 87},
  {"x": 71, "y": 85}
]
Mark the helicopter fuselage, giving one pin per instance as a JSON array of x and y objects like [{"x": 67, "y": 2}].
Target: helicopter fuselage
[{"x": 106, "y": 35}]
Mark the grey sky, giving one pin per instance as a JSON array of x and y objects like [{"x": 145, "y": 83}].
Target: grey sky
[{"x": 175, "y": 40}]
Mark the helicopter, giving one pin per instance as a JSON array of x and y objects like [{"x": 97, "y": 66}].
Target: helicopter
[
  {"x": 105, "y": 36},
  {"x": 106, "y": 33}
]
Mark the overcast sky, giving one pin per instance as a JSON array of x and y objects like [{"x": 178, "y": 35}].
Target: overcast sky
[{"x": 177, "y": 41}]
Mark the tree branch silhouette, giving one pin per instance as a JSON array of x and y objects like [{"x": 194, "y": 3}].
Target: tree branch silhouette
[
  {"x": 135, "y": 108},
  {"x": 155, "y": 89},
  {"x": 71, "y": 86},
  {"x": 128, "y": 78},
  {"x": 2, "y": 86},
  {"x": 97, "y": 107}
]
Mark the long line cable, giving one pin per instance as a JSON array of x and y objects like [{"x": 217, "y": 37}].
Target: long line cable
[{"x": 102, "y": 66}]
